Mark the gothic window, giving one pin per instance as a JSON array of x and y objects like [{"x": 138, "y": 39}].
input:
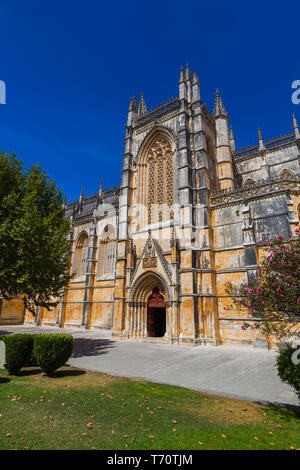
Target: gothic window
[
  {"x": 156, "y": 182},
  {"x": 80, "y": 257},
  {"x": 107, "y": 252}
]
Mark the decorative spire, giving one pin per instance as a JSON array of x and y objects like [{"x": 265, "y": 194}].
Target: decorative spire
[
  {"x": 232, "y": 140},
  {"x": 142, "y": 106},
  {"x": 101, "y": 190},
  {"x": 81, "y": 196},
  {"x": 195, "y": 88},
  {"x": 261, "y": 140},
  {"x": 132, "y": 104},
  {"x": 195, "y": 78},
  {"x": 187, "y": 72},
  {"x": 219, "y": 108},
  {"x": 296, "y": 128},
  {"x": 181, "y": 77},
  {"x": 131, "y": 111},
  {"x": 64, "y": 203}
]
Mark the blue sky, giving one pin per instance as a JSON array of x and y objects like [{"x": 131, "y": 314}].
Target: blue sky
[{"x": 70, "y": 68}]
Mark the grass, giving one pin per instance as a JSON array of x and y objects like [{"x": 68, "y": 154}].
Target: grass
[{"x": 78, "y": 409}]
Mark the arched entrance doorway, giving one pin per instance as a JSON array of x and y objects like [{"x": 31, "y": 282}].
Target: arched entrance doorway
[{"x": 156, "y": 314}]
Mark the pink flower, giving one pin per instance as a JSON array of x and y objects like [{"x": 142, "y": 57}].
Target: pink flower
[{"x": 243, "y": 328}]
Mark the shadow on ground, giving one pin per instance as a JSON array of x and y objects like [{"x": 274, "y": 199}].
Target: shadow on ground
[
  {"x": 281, "y": 407},
  {"x": 91, "y": 347},
  {"x": 4, "y": 380},
  {"x": 68, "y": 373},
  {"x": 5, "y": 332}
]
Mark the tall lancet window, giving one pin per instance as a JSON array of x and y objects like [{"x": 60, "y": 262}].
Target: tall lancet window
[
  {"x": 156, "y": 173},
  {"x": 80, "y": 255},
  {"x": 107, "y": 252}
]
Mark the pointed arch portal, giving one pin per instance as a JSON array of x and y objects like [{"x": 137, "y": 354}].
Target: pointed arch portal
[
  {"x": 148, "y": 308},
  {"x": 156, "y": 314}
]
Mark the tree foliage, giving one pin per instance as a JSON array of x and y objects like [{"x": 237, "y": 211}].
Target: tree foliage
[
  {"x": 273, "y": 299},
  {"x": 34, "y": 246}
]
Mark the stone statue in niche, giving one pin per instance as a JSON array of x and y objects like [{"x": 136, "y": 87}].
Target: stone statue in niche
[{"x": 149, "y": 259}]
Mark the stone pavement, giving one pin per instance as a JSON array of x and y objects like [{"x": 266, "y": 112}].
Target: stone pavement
[{"x": 244, "y": 373}]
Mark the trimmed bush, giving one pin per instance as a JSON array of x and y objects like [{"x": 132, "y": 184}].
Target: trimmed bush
[
  {"x": 288, "y": 370},
  {"x": 18, "y": 351},
  {"x": 52, "y": 351}
]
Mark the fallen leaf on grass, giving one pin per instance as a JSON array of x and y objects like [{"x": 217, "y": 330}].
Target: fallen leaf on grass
[
  {"x": 224, "y": 436},
  {"x": 89, "y": 425}
]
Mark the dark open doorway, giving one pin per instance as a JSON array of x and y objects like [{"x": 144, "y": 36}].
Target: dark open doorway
[{"x": 156, "y": 315}]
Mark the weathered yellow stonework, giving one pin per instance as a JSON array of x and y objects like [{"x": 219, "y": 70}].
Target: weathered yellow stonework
[{"x": 151, "y": 257}]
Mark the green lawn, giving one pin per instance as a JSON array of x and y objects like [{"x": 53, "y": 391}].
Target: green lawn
[{"x": 85, "y": 410}]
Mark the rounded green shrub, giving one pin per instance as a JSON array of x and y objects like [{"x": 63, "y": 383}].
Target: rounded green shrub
[
  {"x": 288, "y": 366},
  {"x": 18, "y": 352},
  {"x": 52, "y": 351}
]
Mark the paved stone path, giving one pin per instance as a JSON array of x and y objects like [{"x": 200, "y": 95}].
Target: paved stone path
[{"x": 237, "y": 372}]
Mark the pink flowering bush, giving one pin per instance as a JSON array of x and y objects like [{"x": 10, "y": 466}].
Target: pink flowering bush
[{"x": 273, "y": 299}]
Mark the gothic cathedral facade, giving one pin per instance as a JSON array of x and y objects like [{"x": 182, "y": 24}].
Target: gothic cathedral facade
[{"x": 150, "y": 258}]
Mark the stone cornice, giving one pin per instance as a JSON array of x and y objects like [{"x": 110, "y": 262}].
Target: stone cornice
[{"x": 262, "y": 190}]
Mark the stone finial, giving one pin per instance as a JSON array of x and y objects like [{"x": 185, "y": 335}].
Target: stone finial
[
  {"x": 101, "y": 189},
  {"x": 64, "y": 203},
  {"x": 296, "y": 128},
  {"x": 261, "y": 140},
  {"x": 232, "y": 140},
  {"x": 219, "y": 108},
  {"x": 81, "y": 196},
  {"x": 132, "y": 104},
  {"x": 195, "y": 78},
  {"x": 181, "y": 76},
  {"x": 195, "y": 88},
  {"x": 187, "y": 72},
  {"x": 132, "y": 111},
  {"x": 142, "y": 109}
]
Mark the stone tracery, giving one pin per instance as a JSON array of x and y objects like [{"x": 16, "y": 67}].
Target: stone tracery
[{"x": 156, "y": 176}]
